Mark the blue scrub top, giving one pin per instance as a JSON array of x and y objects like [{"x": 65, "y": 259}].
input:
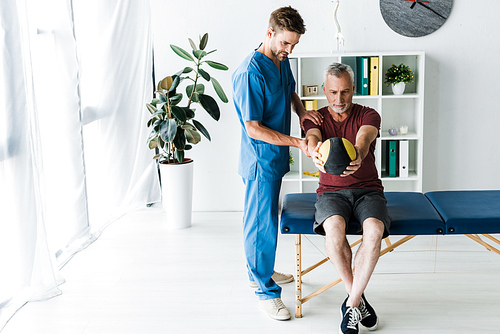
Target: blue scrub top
[{"x": 262, "y": 93}]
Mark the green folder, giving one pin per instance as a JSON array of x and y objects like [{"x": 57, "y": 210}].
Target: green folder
[
  {"x": 392, "y": 165},
  {"x": 362, "y": 76}
]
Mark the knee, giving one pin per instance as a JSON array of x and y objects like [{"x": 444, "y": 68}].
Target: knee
[
  {"x": 373, "y": 230},
  {"x": 334, "y": 227}
]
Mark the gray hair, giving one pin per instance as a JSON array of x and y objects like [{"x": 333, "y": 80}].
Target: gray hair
[{"x": 337, "y": 69}]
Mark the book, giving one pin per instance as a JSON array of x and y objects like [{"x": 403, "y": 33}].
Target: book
[
  {"x": 403, "y": 158},
  {"x": 374, "y": 73},
  {"x": 392, "y": 155},
  {"x": 311, "y": 104},
  {"x": 362, "y": 78}
]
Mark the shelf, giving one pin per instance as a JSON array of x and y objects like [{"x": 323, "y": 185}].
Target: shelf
[{"x": 395, "y": 111}]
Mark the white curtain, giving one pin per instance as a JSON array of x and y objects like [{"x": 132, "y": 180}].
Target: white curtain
[{"x": 74, "y": 80}]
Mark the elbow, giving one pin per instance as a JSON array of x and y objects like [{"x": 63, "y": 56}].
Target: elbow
[{"x": 251, "y": 129}]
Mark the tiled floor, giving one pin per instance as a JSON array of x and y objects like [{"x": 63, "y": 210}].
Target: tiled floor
[{"x": 140, "y": 277}]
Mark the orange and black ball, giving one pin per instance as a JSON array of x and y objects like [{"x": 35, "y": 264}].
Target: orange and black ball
[{"x": 336, "y": 154}]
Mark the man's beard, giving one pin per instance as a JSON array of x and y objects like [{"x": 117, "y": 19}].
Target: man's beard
[
  {"x": 279, "y": 54},
  {"x": 340, "y": 111}
]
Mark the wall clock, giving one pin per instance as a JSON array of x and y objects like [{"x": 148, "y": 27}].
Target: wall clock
[{"x": 415, "y": 18}]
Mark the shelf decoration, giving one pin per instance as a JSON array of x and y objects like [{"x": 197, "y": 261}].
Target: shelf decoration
[
  {"x": 339, "y": 38},
  {"x": 398, "y": 77}
]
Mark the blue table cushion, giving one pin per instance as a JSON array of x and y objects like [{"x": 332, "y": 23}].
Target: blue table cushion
[
  {"x": 411, "y": 214},
  {"x": 468, "y": 211}
]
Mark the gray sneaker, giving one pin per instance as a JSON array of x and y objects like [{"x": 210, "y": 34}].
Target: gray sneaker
[
  {"x": 279, "y": 278},
  {"x": 275, "y": 309}
]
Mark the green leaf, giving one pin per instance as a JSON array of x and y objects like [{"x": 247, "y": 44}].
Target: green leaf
[
  {"x": 187, "y": 70},
  {"x": 151, "y": 108},
  {"x": 179, "y": 155},
  {"x": 180, "y": 140},
  {"x": 176, "y": 81},
  {"x": 178, "y": 113},
  {"x": 202, "y": 129},
  {"x": 163, "y": 98},
  {"x": 203, "y": 42},
  {"x": 199, "y": 54},
  {"x": 209, "y": 104},
  {"x": 188, "y": 147},
  {"x": 204, "y": 74},
  {"x": 219, "y": 90},
  {"x": 181, "y": 52},
  {"x": 192, "y": 44},
  {"x": 176, "y": 98},
  {"x": 168, "y": 129},
  {"x": 157, "y": 113},
  {"x": 217, "y": 65},
  {"x": 152, "y": 135},
  {"x": 200, "y": 88},
  {"x": 189, "y": 112},
  {"x": 192, "y": 136}
]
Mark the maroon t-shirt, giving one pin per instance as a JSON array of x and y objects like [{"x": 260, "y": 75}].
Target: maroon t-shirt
[{"x": 366, "y": 177}]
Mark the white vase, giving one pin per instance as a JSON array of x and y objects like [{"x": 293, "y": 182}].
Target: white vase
[
  {"x": 399, "y": 88},
  {"x": 177, "y": 193}
]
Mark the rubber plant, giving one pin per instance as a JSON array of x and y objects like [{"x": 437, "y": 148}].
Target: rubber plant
[{"x": 174, "y": 127}]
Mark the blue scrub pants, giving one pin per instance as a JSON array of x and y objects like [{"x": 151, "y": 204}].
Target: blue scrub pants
[{"x": 260, "y": 233}]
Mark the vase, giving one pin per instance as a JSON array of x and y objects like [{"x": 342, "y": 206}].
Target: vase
[
  {"x": 399, "y": 88},
  {"x": 177, "y": 193}
]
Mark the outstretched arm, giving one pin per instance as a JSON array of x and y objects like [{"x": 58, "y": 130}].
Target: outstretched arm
[
  {"x": 365, "y": 136},
  {"x": 258, "y": 131}
]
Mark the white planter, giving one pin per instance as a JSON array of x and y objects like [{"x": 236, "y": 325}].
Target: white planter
[
  {"x": 177, "y": 193},
  {"x": 399, "y": 88}
]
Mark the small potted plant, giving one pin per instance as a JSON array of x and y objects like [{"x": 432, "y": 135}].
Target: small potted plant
[
  {"x": 174, "y": 129},
  {"x": 398, "y": 77}
]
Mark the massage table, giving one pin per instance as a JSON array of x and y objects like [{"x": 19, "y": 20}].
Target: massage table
[{"x": 470, "y": 213}]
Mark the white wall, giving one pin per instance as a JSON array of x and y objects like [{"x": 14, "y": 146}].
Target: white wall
[{"x": 461, "y": 150}]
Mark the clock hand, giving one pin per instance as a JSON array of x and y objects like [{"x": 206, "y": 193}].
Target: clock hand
[
  {"x": 429, "y": 8},
  {"x": 415, "y": 2}
]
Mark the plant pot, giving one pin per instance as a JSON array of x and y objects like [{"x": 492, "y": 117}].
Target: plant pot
[
  {"x": 177, "y": 193},
  {"x": 399, "y": 88}
]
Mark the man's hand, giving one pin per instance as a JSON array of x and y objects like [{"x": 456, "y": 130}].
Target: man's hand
[
  {"x": 315, "y": 157},
  {"x": 354, "y": 165},
  {"x": 312, "y": 115},
  {"x": 303, "y": 147}
]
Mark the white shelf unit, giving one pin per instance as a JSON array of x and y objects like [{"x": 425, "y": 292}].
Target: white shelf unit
[{"x": 395, "y": 111}]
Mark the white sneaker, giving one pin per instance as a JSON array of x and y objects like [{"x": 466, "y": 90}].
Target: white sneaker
[
  {"x": 279, "y": 278},
  {"x": 275, "y": 309}
]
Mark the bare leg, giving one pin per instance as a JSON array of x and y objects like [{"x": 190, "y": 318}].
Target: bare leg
[
  {"x": 366, "y": 258},
  {"x": 339, "y": 251}
]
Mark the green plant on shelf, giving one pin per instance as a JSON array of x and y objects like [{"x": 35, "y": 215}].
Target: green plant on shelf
[{"x": 396, "y": 74}]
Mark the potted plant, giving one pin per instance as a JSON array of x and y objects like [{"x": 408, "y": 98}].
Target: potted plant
[
  {"x": 174, "y": 129},
  {"x": 398, "y": 77}
]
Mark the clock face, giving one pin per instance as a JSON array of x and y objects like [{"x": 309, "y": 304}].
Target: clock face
[{"x": 415, "y": 18}]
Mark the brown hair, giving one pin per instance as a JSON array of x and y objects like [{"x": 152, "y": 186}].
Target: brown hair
[{"x": 287, "y": 18}]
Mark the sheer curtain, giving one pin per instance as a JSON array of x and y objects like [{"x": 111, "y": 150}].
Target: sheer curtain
[{"x": 74, "y": 80}]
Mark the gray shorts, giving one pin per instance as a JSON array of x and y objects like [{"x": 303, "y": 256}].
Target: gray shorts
[{"x": 355, "y": 206}]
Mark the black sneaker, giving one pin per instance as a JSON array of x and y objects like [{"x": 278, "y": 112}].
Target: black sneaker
[
  {"x": 368, "y": 317},
  {"x": 351, "y": 316}
]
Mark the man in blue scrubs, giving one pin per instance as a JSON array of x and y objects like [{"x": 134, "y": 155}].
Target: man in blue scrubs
[{"x": 264, "y": 95}]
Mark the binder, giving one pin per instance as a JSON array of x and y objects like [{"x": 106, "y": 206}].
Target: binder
[
  {"x": 392, "y": 153},
  {"x": 403, "y": 158},
  {"x": 362, "y": 77},
  {"x": 311, "y": 104},
  {"x": 374, "y": 72}
]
